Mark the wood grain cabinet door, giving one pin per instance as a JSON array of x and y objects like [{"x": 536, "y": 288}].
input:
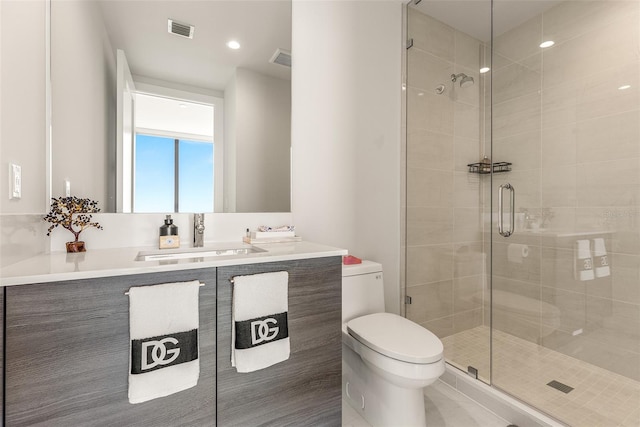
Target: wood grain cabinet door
[
  {"x": 304, "y": 390},
  {"x": 67, "y": 356}
]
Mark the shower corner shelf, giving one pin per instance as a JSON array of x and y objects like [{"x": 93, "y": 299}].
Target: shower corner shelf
[{"x": 482, "y": 169}]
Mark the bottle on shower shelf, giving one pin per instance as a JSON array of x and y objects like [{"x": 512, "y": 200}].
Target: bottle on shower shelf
[{"x": 485, "y": 165}]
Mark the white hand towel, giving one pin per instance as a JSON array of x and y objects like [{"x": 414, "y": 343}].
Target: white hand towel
[
  {"x": 583, "y": 265},
  {"x": 163, "y": 329},
  {"x": 600, "y": 258},
  {"x": 259, "y": 335}
]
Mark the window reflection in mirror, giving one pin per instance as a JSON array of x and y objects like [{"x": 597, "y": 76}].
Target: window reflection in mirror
[
  {"x": 174, "y": 155},
  {"x": 172, "y": 175}
]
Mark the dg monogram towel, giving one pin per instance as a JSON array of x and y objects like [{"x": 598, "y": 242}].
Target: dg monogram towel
[
  {"x": 260, "y": 335},
  {"x": 163, "y": 329}
]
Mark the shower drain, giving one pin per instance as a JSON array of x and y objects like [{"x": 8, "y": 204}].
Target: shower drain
[{"x": 559, "y": 386}]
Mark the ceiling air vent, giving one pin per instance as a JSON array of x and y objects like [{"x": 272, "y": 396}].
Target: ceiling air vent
[
  {"x": 180, "y": 29},
  {"x": 281, "y": 57}
]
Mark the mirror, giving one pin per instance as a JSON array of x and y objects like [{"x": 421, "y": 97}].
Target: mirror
[{"x": 144, "y": 110}]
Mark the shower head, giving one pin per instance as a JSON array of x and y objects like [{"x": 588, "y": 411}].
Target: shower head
[{"x": 464, "y": 79}]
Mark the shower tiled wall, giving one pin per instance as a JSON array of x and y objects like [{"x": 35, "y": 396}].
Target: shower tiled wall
[
  {"x": 574, "y": 140},
  {"x": 445, "y": 261}
]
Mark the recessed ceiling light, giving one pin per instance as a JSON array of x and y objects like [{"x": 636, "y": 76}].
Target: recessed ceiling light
[
  {"x": 182, "y": 105},
  {"x": 233, "y": 44},
  {"x": 624, "y": 87},
  {"x": 548, "y": 43},
  {"x": 484, "y": 70}
]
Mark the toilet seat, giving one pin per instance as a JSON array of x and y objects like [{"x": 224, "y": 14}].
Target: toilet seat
[{"x": 396, "y": 337}]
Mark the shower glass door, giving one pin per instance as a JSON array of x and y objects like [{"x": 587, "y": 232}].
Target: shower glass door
[
  {"x": 447, "y": 213},
  {"x": 565, "y": 304},
  {"x": 536, "y": 103}
]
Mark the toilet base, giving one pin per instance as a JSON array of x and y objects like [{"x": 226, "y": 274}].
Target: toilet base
[{"x": 379, "y": 402}]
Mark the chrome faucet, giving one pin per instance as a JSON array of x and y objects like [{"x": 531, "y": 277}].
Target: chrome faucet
[{"x": 198, "y": 230}]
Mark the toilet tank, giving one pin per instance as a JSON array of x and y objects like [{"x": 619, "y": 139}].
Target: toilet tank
[{"x": 362, "y": 290}]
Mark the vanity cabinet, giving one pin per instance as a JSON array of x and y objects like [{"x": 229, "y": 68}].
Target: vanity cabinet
[
  {"x": 304, "y": 390},
  {"x": 67, "y": 354},
  {"x": 67, "y": 357}
]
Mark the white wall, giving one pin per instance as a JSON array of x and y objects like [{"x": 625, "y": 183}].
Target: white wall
[
  {"x": 84, "y": 104},
  {"x": 346, "y": 128},
  {"x": 264, "y": 103},
  {"x": 22, "y": 102}
]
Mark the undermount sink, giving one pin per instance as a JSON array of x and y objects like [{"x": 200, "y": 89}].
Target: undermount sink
[{"x": 169, "y": 254}]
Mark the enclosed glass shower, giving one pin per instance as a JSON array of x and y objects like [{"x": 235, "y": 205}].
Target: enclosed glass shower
[{"x": 523, "y": 198}]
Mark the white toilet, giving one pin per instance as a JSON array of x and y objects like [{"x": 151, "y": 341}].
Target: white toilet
[{"x": 386, "y": 359}]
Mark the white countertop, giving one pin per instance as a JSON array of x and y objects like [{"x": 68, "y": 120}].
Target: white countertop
[{"x": 59, "y": 266}]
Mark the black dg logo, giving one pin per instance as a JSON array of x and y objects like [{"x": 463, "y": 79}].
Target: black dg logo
[
  {"x": 154, "y": 353},
  {"x": 262, "y": 330},
  {"x": 159, "y": 353}
]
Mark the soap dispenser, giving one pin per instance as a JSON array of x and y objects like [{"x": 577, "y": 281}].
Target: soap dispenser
[{"x": 169, "y": 234}]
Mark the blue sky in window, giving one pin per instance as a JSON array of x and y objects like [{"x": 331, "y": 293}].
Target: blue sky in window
[
  {"x": 196, "y": 176},
  {"x": 154, "y": 175}
]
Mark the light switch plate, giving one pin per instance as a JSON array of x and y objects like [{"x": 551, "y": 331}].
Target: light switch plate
[{"x": 15, "y": 181}]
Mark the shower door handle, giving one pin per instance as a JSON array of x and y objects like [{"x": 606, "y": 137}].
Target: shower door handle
[{"x": 501, "y": 230}]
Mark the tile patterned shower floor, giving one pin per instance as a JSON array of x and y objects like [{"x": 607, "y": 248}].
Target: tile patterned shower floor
[{"x": 523, "y": 369}]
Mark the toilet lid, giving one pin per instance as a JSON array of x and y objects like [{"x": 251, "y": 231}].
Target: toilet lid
[{"x": 396, "y": 337}]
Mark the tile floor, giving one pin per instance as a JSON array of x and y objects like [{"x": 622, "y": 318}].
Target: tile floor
[
  {"x": 523, "y": 369},
  {"x": 445, "y": 407}
]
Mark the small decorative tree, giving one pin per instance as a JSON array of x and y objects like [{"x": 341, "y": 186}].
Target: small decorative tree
[{"x": 74, "y": 214}]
